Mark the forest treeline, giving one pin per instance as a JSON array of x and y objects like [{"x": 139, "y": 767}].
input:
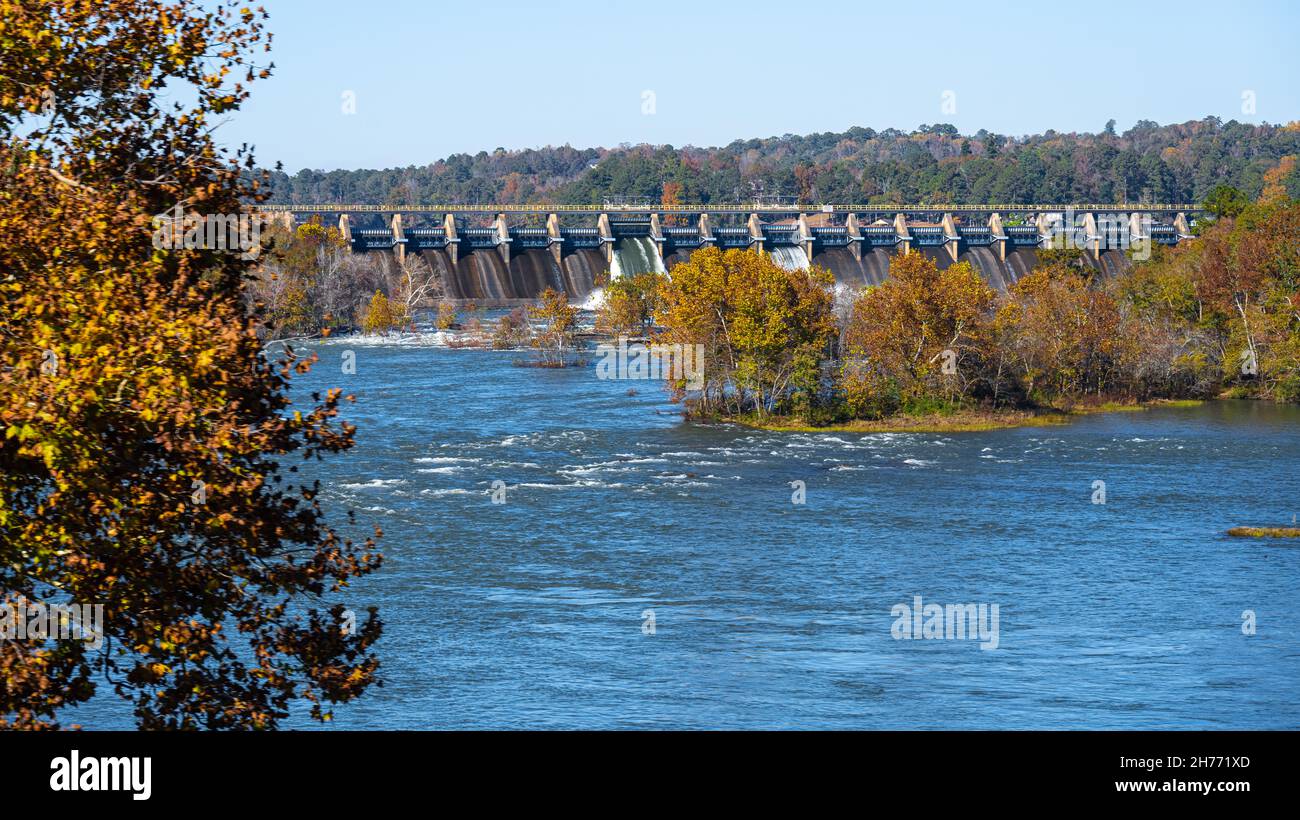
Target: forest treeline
[{"x": 935, "y": 163}]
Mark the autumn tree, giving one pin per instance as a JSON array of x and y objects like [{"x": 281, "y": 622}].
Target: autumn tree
[
  {"x": 147, "y": 444},
  {"x": 671, "y": 198},
  {"x": 1067, "y": 335},
  {"x": 922, "y": 334},
  {"x": 308, "y": 281},
  {"x": 381, "y": 315},
  {"x": 1275, "y": 181},
  {"x": 559, "y": 322},
  {"x": 1172, "y": 352},
  {"x": 1248, "y": 275},
  {"x": 764, "y": 330},
  {"x": 297, "y": 279},
  {"x": 630, "y": 305},
  {"x": 446, "y": 315},
  {"x": 513, "y": 330}
]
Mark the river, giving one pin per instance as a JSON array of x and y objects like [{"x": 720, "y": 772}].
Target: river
[
  {"x": 536, "y": 612},
  {"x": 619, "y": 517}
]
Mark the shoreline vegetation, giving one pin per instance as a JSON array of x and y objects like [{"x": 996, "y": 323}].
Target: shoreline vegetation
[
  {"x": 1265, "y": 532},
  {"x": 955, "y": 420},
  {"x": 947, "y": 419}
]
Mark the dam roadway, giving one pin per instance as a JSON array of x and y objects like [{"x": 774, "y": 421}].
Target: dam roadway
[{"x": 502, "y": 253}]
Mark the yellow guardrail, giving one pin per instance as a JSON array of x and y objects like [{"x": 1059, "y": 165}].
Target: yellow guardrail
[{"x": 713, "y": 209}]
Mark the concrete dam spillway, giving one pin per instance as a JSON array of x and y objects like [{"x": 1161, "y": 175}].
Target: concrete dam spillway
[
  {"x": 634, "y": 255},
  {"x": 486, "y": 277},
  {"x": 873, "y": 268},
  {"x": 507, "y": 263},
  {"x": 791, "y": 258}
]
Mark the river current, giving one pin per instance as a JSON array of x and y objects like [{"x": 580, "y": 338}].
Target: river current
[{"x": 645, "y": 572}]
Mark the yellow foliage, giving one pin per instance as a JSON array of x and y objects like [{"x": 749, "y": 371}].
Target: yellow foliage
[
  {"x": 143, "y": 424},
  {"x": 764, "y": 330}
]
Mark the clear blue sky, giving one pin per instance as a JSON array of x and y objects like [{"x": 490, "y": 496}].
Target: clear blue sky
[{"x": 434, "y": 78}]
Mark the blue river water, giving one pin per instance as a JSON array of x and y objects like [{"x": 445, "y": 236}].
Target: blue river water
[{"x": 618, "y": 516}]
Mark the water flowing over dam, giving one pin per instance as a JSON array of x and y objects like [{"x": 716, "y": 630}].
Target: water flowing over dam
[
  {"x": 479, "y": 276},
  {"x": 635, "y": 255},
  {"x": 849, "y": 271},
  {"x": 630, "y": 257},
  {"x": 484, "y": 276},
  {"x": 790, "y": 258},
  {"x": 507, "y": 263},
  {"x": 581, "y": 268},
  {"x": 533, "y": 271},
  {"x": 873, "y": 268}
]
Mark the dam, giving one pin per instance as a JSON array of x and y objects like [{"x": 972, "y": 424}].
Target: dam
[{"x": 500, "y": 254}]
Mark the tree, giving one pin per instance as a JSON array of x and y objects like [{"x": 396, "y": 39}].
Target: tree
[
  {"x": 1171, "y": 350},
  {"x": 303, "y": 280},
  {"x": 1248, "y": 275},
  {"x": 559, "y": 320},
  {"x": 446, "y": 315},
  {"x": 512, "y": 330},
  {"x": 764, "y": 330},
  {"x": 1225, "y": 201},
  {"x": 381, "y": 315},
  {"x": 671, "y": 198},
  {"x": 630, "y": 304},
  {"x": 1275, "y": 181},
  {"x": 921, "y": 334},
  {"x": 1067, "y": 335},
  {"x": 418, "y": 284},
  {"x": 146, "y": 441},
  {"x": 1180, "y": 162}
]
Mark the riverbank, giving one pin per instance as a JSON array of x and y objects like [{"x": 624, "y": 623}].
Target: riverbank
[
  {"x": 1265, "y": 532},
  {"x": 955, "y": 421}
]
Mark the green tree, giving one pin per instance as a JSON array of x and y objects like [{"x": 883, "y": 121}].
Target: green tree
[{"x": 1225, "y": 201}]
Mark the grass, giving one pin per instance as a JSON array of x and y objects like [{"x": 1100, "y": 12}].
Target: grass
[
  {"x": 1265, "y": 532},
  {"x": 1085, "y": 408},
  {"x": 949, "y": 419},
  {"x": 961, "y": 421}
]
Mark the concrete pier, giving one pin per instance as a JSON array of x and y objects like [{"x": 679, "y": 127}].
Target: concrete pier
[
  {"x": 399, "y": 238},
  {"x": 854, "y": 231},
  {"x": 904, "y": 236},
  {"x": 1000, "y": 237}
]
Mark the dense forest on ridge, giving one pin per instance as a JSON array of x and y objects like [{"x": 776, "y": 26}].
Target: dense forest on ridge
[{"x": 935, "y": 163}]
